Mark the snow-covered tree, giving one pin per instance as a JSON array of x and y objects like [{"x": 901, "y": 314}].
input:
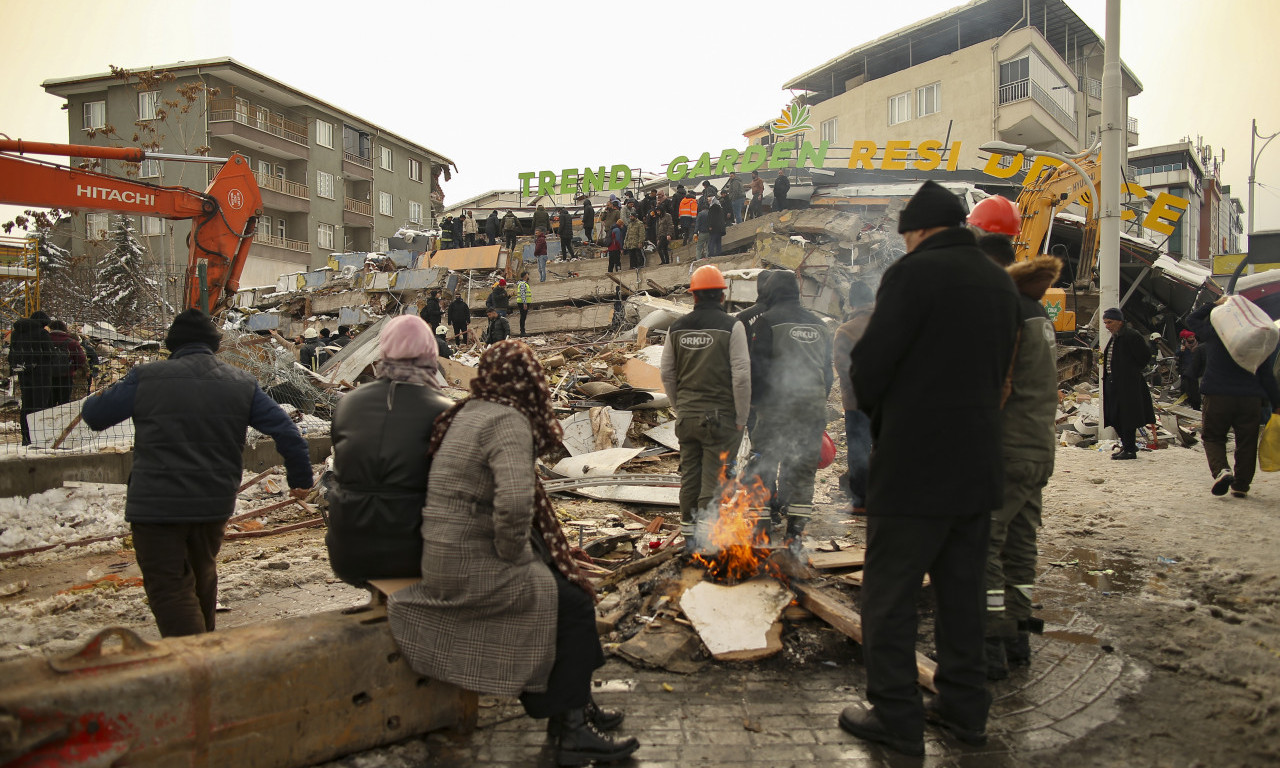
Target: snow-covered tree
[{"x": 121, "y": 293}]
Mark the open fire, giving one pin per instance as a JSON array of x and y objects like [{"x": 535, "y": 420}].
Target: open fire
[{"x": 736, "y": 548}]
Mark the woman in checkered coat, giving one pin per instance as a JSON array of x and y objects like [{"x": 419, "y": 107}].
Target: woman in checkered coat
[{"x": 502, "y": 607}]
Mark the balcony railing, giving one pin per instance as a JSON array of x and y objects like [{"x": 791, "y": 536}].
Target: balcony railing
[
  {"x": 1093, "y": 87},
  {"x": 283, "y": 186},
  {"x": 367, "y": 162},
  {"x": 230, "y": 110},
  {"x": 1024, "y": 89},
  {"x": 266, "y": 238},
  {"x": 355, "y": 206},
  {"x": 1133, "y": 125}
]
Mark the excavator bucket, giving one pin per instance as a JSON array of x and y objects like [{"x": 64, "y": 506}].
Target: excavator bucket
[{"x": 222, "y": 234}]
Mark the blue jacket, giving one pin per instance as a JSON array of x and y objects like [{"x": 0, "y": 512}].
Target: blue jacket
[
  {"x": 1221, "y": 374},
  {"x": 190, "y": 415}
]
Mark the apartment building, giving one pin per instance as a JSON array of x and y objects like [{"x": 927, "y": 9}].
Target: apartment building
[
  {"x": 331, "y": 181},
  {"x": 1022, "y": 71},
  {"x": 1213, "y": 222}
]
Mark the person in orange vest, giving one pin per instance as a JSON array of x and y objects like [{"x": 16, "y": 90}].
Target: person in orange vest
[{"x": 688, "y": 215}]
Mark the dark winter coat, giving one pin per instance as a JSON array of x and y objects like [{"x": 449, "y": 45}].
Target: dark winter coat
[
  {"x": 68, "y": 343},
  {"x": 491, "y": 224},
  {"x": 510, "y": 223},
  {"x": 190, "y": 414},
  {"x": 540, "y": 245},
  {"x": 31, "y": 360},
  {"x": 781, "y": 186},
  {"x": 1222, "y": 376},
  {"x": 381, "y": 433},
  {"x": 735, "y": 189},
  {"x": 541, "y": 220},
  {"x": 665, "y": 228},
  {"x": 1125, "y": 396},
  {"x": 431, "y": 312},
  {"x": 588, "y": 215},
  {"x": 498, "y": 330},
  {"x": 566, "y": 225},
  {"x": 912, "y": 335},
  {"x": 457, "y": 230},
  {"x": 715, "y": 219},
  {"x": 459, "y": 312},
  {"x": 764, "y": 294},
  {"x": 499, "y": 298}
]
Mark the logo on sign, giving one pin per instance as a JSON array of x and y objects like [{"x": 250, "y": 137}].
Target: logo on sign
[
  {"x": 235, "y": 199},
  {"x": 805, "y": 335},
  {"x": 794, "y": 119},
  {"x": 695, "y": 340}
]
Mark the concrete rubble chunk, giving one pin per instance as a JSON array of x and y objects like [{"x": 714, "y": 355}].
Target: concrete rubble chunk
[{"x": 736, "y": 618}]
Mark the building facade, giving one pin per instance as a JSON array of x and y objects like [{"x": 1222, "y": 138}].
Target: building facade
[
  {"x": 1026, "y": 73},
  {"x": 330, "y": 181},
  {"x": 1213, "y": 222}
]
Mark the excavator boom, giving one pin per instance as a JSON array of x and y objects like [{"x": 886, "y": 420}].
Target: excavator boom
[{"x": 223, "y": 217}]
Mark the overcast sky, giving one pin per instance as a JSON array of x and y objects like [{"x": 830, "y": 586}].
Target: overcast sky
[{"x": 502, "y": 87}]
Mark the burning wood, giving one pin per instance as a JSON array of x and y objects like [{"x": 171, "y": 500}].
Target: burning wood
[{"x": 737, "y": 547}]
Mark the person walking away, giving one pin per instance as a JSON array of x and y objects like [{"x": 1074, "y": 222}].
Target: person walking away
[
  {"x": 498, "y": 298},
  {"x": 1232, "y": 399},
  {"x": 1029, "y": 443},
  {"x": 703, "y": 235},
  {"x": 381, "y": 432},
  {"x": 688, "y": 216},
  {"x": 1191, "y": 364},
  {"x": 715, "y": 227},
  {"x": 503, "y": 608},
  {"x": 616, "y": 238},
  {"x": 757, "y": 195},
  {"x": 524, "y": 293},
  {"x": 510, "y": 231},
  {"x": 540, "y": 254},
  {"x": 588, "y": 219},
  {"x": 929, "y": 505},
  {"x": 665, "y": 231},
  {"x": 633, "y": 243},
  {"x": 706, "y": 371},
  {"x": 68, "y": 359},
  {"x": 781, "y": 186},
  {"x": 491, "y": 227},
  {"x": 30, "y": 360},
  {"x": 857, "y": 427},
  {"x": 541, "y": 219},
  {"x": 737, "y": 196},
  {"x": 498, "y": 330},
  {"x": 1126, "y": 401},
  {"x": 459, "y": 318},
  {"x": 566, "y": 234},
  {"x": 190, "y": 415}
]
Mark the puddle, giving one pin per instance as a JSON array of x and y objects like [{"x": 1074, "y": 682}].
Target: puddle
[{"x": 1115, "y": 574}]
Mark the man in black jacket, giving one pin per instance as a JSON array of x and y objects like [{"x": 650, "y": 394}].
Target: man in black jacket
[
  {"x": 490, "y": 229},
  {"x": 190, "y": 414},
  {"x": 1126, "y": 401},
  {"x": 459, "y": 318},
  {"x": 928, "y": 504},
  {"x": 781, "y": 186},
  {"x": 431, "y": 312},
  {"x": 498, "y": 330},
  {"x": 588, "y": 220},
  {"x": 566, "y": 234}
]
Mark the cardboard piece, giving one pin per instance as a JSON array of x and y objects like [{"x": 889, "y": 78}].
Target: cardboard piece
[{"x": 736, "y": 619}]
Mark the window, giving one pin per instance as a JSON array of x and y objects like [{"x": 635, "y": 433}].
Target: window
[
  {"x": 415, "y": 212},
  {"x": 281, "y": 231},
  {"x": 264, "y": 225},
  {"x": 262, "y": 117},
  {"x": 383, "y": 244},
  {"x": 324, "y": 235},
  {"x": 324, "y": 184},
  {"x": 148, "y": 104},
  {"x": 899, "y": 108},
  {"x": 95, "y": 115},
  {"x": 149, "y": 169},
  {"x": 264, "y": 168},
  {"x": 95, "y": 226},
  {"x": 386, "y": 158},
  {"x": 928, "y": 99},
  {"x": 385, "y": 206},
  {"x": 828, "y": 130},
  {"x": 324, "y": 134},
  {"x": 415, "y": 169},
  {"x": 152, "y": 225},
  {"x": 1015, "y": 71}
]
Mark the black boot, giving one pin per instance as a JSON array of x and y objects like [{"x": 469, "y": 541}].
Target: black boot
[
  {"x": 997, "y": 661},
  {"x": 1018, "y": 650},
  {"x": 581, "y": 743},
  {"x": 602, "y": 719}
]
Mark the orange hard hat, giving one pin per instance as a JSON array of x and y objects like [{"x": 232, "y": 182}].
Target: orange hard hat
[
  {"x": 828, "y": 452},
  {"x": 997, "y": 215},
  {"x": 707, "y": 278}
]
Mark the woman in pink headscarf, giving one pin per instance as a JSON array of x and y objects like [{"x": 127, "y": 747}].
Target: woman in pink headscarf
[{"x": 381, "y": 435}]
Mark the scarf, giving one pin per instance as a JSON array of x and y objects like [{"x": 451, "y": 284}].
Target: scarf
[
  {"x": 407, "y": 371},
  {"x": 510, "y": 375}
]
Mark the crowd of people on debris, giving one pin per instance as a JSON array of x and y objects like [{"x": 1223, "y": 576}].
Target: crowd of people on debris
[{"x": 52, "y": 364}]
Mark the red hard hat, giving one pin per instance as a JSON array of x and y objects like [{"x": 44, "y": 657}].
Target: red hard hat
[
  {"x": 996, "y": 215},
  {"x": 828, "y": 452},
  {"x": 707, "y": 278}
]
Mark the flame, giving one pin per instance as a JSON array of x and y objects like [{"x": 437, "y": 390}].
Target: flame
[{"x": 734, "y": 546}]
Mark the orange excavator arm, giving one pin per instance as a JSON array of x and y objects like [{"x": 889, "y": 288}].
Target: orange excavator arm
[
  {"x": 223, "y": 217},
  {"x": 1047, "y": 194}
]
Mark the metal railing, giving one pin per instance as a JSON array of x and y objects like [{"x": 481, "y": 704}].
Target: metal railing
[
  {"x": 1133, "y": 125},
  {"x": 267, "y": 238},
  {"x": 367, "y": 162},
  {"x": 230, "y": 110},
  {"x": 283, "y": 186},
  {"x": 1024, "y": 89},
  {"x": 355, "y": 206},
  {"x": 1093, "y": 87}
]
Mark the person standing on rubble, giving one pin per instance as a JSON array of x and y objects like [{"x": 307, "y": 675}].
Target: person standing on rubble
[
  {"x": 431, "y": 311},
  {"x": 688, "y": 214},
  {"x": 752, "y": 314},
  {"x": 459, "y": 318},
  {"x": 469, "y": 229},
  {"x": 706, "y": 371},
  {"x": 715, "y": 227},
  {"x": 541, "y": 219},
  {"x": 442, "y": 342},
  {"x": 633, "y": 243},
  {"x": 524, "y": 293},
  {"x": 540, "y": 254},
  {"x": 781, "y": 186},
  {"x": 498, "y": 298},
  {"x": 757, "y": 195},
  {"x": 791, "y": 370},
  {"x": 929, "y": 501},
  {"x": 566, "y": 234},
  {"x": 344, "y": 335},
  {"x": 1191, "y": 364},
  {"x": 588, "y": 219},
  {"x": 491, "y": 227},
  {"x": 190, "y": 415},
  {"x": 30, "y": 361},
  {"x": 1126, "y": 401},
  {"x": 510, "y": 231},
  {"x": 857, "y": 426},
  {"x": 312, "y": 355},
  {"x": 68, "y": 358},
  {"x": 609, "y": 218},
  {"x": 499, "y": 328},
  {"x": 737, "y": 195},
  {"x": 616, "y": 239},
  {"x": 664, "y": 230},
  {"x": 459, "y": 232}
]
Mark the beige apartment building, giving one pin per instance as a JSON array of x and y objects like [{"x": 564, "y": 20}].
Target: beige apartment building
[
  {"x": 1022, "y": 71},
  {"x": 331, "y": 181}
]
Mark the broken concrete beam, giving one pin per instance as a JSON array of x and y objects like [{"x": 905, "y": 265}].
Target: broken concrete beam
[
  {"x": 328, "y": 303},
  {"x": 836, "y": 225},
  {"x": 736, "y": 620},
  {"x": 780, "y": 250},
  {"x": 744, "y": 234}
]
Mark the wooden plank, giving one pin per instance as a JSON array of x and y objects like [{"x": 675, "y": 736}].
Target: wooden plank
[
  {"x": 391, "y": 586},
  {"x": 830, "y": 561},
  {"x": 479, "y": 257},
  {"x": 855, "y": 579},
  {"x": 843, "y": 619}
]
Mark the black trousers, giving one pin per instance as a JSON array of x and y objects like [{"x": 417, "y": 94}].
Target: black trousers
[
  {"x": 511, "y": 241},
  {"x": 566, "y": 247},
  {"x": 578, "y": 654},
  {"x": 615, "y": 261},
  {"x": 635, "y": 258},
  {"x": 1227, "y": 413},
  {"x": 900, "y": 551},
  {"x": 179, "y": 563},
  {"x": 524, "y": 312},
  {"x": 664, "y": 250}
]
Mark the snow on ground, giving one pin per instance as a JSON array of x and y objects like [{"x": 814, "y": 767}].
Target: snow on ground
[{"x": 61, "y": 515}]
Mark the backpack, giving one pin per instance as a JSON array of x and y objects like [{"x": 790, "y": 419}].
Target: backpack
[{"x": 60, "y": 362}]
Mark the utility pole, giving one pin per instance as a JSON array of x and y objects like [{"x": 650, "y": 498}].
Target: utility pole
[
  {"x": 1113, "y": 123},
  {"x": 1253, "y": 164}
]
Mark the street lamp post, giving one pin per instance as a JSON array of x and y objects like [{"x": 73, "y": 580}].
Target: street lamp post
[
  {"x": 1253, "y": 164},
  {"x": 1005, "y": 148}
]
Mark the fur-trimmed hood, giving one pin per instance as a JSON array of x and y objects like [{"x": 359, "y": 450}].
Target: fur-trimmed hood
[{"x": 1034, "y": 276}]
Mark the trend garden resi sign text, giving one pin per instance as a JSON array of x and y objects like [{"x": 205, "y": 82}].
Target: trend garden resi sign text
[{"x": 928, "y": 155}]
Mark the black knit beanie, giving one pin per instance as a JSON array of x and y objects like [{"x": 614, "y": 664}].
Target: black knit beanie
[
  {"x": 192, "y": 327},
  {"x": 931, "y": 206}
]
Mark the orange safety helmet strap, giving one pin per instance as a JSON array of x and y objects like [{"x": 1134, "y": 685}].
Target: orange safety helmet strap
[
  {"x": 707, "y": 278},
  {"x": 997, "y": 215}
]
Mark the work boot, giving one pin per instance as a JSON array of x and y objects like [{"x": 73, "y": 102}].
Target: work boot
[
  {"x": 581, "y": 742},
  {"x": 603, "y": 719},
  {"x": 997, "y": 661},
  {"x": 1017, "y": 650},
  {"x": 935, "y": 714}
]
